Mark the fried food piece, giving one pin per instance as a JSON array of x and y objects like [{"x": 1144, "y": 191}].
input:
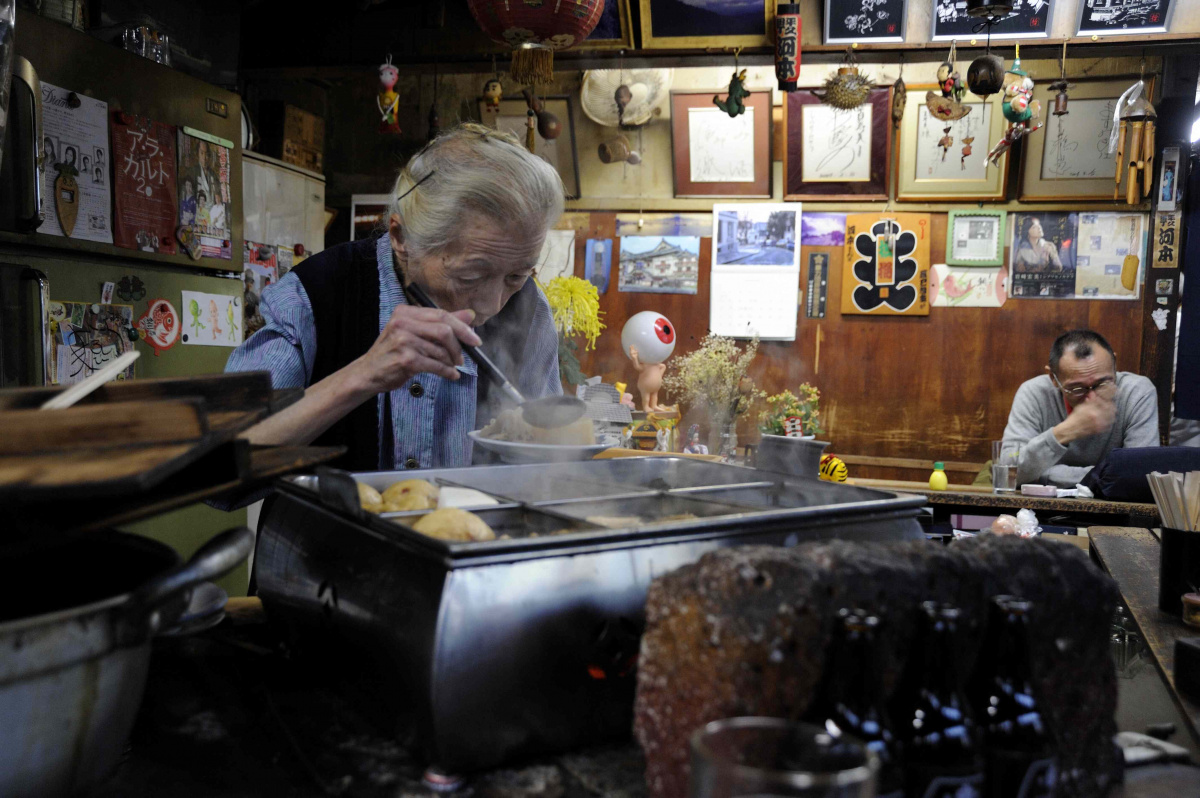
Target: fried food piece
[
  {"x": 453, "y": 524},
  {"x": 615, "y": 521},
  {"x": 403, "y": 493},
  {"x": 369, "y": 498}
]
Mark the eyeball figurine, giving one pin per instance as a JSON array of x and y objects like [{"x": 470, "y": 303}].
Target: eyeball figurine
[{"x": 648, "y": 338}]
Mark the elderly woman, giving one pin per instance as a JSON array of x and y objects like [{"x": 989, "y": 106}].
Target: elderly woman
[{"x": 388, "y": 379}]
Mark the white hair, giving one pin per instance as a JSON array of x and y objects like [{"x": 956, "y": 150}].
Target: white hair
[{"x": 473, "y": 168}]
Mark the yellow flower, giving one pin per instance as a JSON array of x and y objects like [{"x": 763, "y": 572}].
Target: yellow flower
[{"x": 575, "y": 304}]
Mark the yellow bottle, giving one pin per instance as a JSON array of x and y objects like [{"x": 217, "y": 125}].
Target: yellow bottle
[{"x": 938, "y": 480}]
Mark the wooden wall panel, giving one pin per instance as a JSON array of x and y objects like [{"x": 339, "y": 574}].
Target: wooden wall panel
[{"x": 936, "y": 387}]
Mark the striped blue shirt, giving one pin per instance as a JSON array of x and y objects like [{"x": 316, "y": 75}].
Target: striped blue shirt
[{"x": 430, "y": 429}]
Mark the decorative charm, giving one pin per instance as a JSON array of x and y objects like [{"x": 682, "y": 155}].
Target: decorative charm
[
  {"x": 733, "y": 103},
  {"x": 793, "y": 427},
  {"x": 1019, "y": 108},
  {"x": 1060, "y": 86},
  {"x": 387, "y": 100},
  {"x": 66, "y": 197},
  {"x": 966, "y": 151},
  {"x": 886, "y": 265},
  {"x": 131, "y": 288},
  {"x": 847, "y": 88},
  {"x": 1137, "y": 119},
  {"x": 493, "y": 93},
  {"x": 948, "y": 106},
  {"x": 899, "y": 98},
  {"x": 787, "y": 45},
  {"x": 159, "y": 326},
  {"x": 833, "y": 469},
  {"x": 694, "y": 446},
  {"x": 945, "y": 142},
  {"x": 648, "y": 338},
  {"x": 535, "y": 30},
  {"x": 186, "y": 235}
]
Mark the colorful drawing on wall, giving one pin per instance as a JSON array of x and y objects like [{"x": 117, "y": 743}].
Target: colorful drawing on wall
[
  {"x": 660, "y": 264},
  {"x": 756, "y": 235},
  {"x": 597, "y": 264},
  {"x": 204, "y": 195},
  {"x": 259, "y": 270},
  {"x": 1042, "y": 254},
  {"x": 211, "y": 319},
  {"x": 823, "y": 229},
  {"x": 143, "y": 184},
  {"x": 84, "y": 336},
  {"x": 959, "y": 287},
  {"x": 159, "y": 326},
  {"x": 886, "y": 270}
]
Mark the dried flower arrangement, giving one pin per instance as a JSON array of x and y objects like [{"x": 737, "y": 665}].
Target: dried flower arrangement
[{"x": 714, "y": 378}]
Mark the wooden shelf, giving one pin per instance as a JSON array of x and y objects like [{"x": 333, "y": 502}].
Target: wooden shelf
[{"x": 45, "y": 245}]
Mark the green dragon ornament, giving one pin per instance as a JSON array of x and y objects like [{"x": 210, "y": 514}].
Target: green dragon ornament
[{"x": 733, "y": 104}]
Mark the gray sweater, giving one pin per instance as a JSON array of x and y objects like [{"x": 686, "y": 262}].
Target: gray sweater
[{"x": 1038, "y": 407}]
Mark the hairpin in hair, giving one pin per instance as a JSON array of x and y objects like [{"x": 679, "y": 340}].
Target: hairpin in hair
[{"x": 414, "y": 185}]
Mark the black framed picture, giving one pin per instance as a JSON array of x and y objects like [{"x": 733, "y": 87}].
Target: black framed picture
[
  {"x": 1030, "y": 19},
  {"x": 1115, "y": 17},
  {"x": 864, "y": 21}
]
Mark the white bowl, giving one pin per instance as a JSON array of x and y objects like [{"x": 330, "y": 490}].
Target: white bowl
[{"x": 514, "y": 452}]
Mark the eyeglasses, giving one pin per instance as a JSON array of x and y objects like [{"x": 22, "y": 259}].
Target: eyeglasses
[{"x": 1083, "y": 390}]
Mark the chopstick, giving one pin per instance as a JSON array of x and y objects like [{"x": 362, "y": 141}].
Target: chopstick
[
  {"x": 93, "y": 381},
  {"x": 1178, "y": 498}
]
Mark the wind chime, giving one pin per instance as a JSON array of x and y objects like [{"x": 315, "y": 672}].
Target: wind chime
[
  {"x": 985, "y": 76},
  {"x": 1134, "y": 117},
  {"x": 1060, "y": 86}
]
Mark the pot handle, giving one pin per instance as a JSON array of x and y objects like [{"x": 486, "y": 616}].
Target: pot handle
[
  {"x": 339, "y": 490},
  {"x": 215, "y": 558}
]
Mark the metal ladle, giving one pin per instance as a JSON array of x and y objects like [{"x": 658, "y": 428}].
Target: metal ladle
[{"x": 548, "y": 412}]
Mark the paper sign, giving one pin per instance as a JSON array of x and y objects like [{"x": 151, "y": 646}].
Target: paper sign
[
  {"x": 886, "y": 268},
  {"x": 204, "y": 196},
  {"x": 1166, "y": 240},
  {"x": 558, "y": 256},
  {"x": 211, "y": 319},
  {"x": 144, "y": 184},
  {"x": 84, "y": 336},
  {"x": 77, "y": 137},
  {"x": 971, "y": 287}
]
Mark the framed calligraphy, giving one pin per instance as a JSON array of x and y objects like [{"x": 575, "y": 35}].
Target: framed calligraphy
[
  {"x": 1116, "y": 17},
  {"x": 1069, "y": 158},
  {"x": 715, "y": 155},
  {"x": 836, "y": 154},
  {"x": 1030, "y": 19},
  {"x": 144, "y": 188},
  {"x": 849, "y": 21}
]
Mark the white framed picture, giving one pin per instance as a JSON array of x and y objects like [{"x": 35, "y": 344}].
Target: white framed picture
[
  {"x": 755, "y": 290},
  {"x": 756, "y": 234}
]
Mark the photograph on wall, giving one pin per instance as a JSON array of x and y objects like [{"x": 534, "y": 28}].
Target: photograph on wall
[
  {"x": 958, "y": 287},
  {"x": 1030, "y": 19},
  {"x": 755, "y": 235},
  {"x": 1041, "y": 256},
  {"x": 86, "y": 336},
  {"x": 849, "y": 21},
  {"x": 76, "y": 138},
  {"x": 1170, "y": 185},
  {"x": 823, "y": 229},
  {"x": 664, "y": 224},
  {"x": 705, "y": 23},
  {"x": 659, "y": 264},
  {"x": 598, "y": 262},
  {"x": 211, "y": 319},
  {"x": 886, "y": 268},
  {"x": 146, "y": 213},
  {"x": 205, "y": 200},
  {"x": 1109, "y": 254},
  {"x": 975, "y": 238},
  {"x": 614, "y": 30},
  {"x": 1123, "y": 17}
]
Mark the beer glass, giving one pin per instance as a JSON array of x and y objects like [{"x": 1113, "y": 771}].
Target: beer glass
[
  {"x": 1006, "y": 455},
  {"x": 754, "y": 757}
]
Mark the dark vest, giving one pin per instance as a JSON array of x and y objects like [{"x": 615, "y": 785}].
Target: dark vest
[{"x": 342, "y": 284}]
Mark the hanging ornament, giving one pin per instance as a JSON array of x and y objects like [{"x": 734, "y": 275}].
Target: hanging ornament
[
  {"x": 847, "y": 88},
  {"x": 787, "y": 45},
  {"x": 535, "y": 30},
  {"x": 1019, "y": 108},
  {"x": 985, "y": 76},
  {"x": 548, "y": 126},
  {"x": 733, "y": 103},
  {"x": 899, "y": 96},
  {"x": 948, "y": 105},
  {"x": 946, "y": 142},
  {"x": 387, "y": 100},
  {"x": 1137, "y": 119},
  {"x": 493, "y": 93},
  {"x": 1060, "y": 86},
  {"x": 435, "y": 121},
  {"x": 966, "y": 151}
]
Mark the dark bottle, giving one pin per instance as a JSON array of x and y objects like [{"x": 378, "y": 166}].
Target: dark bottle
[
  {"x": 1018, "y": 748},
  {"x": 853, "y": 702},
  {"x": 941, "y": 747}
]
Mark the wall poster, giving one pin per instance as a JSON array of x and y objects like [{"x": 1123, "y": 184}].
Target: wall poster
[
  {"x": 1108, "y": 255},
  {"x": 143, "y": 184},
  {"x": 755, "y": 270},
  {"x": 76, "y": 138},
  {"x": 1042, "y": 254},
  {"x": 205, "y": 201},
  {"x": 886, "y": 268},
  {"x": 86, "y": 336}
]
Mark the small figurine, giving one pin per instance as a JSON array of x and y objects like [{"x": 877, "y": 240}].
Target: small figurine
[
  {"x": 948, "y": 106},
  {"x": 387, "y": 100},
  {"x": 627, "y": 437},
  {"x": 1020, "y": 109},
  {"x": 946, "y": 141},
  {"x": 663, "y": 438},
  {"x": 833, "y": 469},
  {"x": 649, "y": 339},
  {"x": 733, "y": 104},
  {"x": 493, "y": 93},
  {"x": 694, "y": 446},
  {"x": 966, "y": 150}
]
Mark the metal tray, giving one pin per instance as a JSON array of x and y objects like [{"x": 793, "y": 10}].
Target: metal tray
[
  {"x": 663, "y": 473},
  {"x": 654, "y": 510},
  {"x": 782, "y": 495},
  {"x": 514, "y": 521}
]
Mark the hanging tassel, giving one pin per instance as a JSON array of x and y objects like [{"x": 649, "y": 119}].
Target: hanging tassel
[
  {"x": 530, "y": 130},
  {"x": 532, "y": 65}
]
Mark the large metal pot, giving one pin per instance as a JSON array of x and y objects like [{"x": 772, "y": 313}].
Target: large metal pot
[{"x": 75, "y": 646}]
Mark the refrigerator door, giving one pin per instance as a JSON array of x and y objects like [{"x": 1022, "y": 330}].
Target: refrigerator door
[
  {"x": 25, "y": 140},
  {"x": 8, "y": 52},
  {"x": 24, "y": 347}
]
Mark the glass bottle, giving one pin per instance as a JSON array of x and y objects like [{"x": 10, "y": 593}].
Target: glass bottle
[
  {"x": 853, "y": 697},
  {"x": 941, "y": 747},
  {"x": 1018, "y": 748}
]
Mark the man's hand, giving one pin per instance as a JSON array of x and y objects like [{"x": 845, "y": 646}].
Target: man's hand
[
  {"x": 1090, "y": 418},
  {"x": 416, "y": 340}
]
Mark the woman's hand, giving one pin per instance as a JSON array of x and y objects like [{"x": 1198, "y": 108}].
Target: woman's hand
[{"x": 416, "y": 340}]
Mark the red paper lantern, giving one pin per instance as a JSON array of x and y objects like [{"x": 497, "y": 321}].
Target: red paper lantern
[{"x": 535, "y": 29}]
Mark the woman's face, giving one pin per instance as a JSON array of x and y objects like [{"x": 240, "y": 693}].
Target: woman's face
[
  {"x": 1035, "y": 232},
  {"x": 488, "y": 266}
]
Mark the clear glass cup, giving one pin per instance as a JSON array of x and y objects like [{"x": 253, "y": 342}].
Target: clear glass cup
[
  {"x": 755, "y": 757},
  {"x": 1006, "y": 456}
]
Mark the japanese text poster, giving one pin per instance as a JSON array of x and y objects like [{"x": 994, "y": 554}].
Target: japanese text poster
[
  {"x": 1108, "y": 255},
  {"x": 1042, "y": 254},
  {"x": 143, "y": 183},
  {"x": 204, "y": 196},
  {"x": 76, "y": 139}
]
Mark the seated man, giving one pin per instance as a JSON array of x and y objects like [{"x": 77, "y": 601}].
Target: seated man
[{"x": 1070, "y": 418}]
